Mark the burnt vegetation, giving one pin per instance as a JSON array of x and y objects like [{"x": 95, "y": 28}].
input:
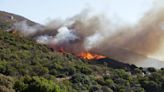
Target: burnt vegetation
[{"x": 26, "y": 66}]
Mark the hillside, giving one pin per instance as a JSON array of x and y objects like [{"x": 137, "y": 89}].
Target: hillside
[
  {"x": 8, "y": 19},
  {"x": 26, "y": 66}
]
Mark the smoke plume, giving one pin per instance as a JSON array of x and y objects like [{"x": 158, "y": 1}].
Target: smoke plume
[
  {"x": 141, "y": 44},
  {"x": 25, "y": 29}
]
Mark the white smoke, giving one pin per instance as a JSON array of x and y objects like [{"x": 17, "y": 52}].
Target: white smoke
[
  {"x": 93, "y": 41},
  {"x": 64, "y": 35},
  {"x": 24, "y": 28},
  {"x": 44, "y": 39}
]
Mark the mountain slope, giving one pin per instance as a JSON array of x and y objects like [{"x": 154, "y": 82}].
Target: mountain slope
[
  {"x": 26, "y": 66},
  {"x": 8, "y": 19}
]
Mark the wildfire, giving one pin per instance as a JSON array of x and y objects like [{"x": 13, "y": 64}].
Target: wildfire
[
  {"x": 90, "y": 56},
  {"x": 83, "y": 55}
]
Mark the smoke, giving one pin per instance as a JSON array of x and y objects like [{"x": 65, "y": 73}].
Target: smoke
[
  {"x": 62, "y": 40},
  {"x": 25, "y": 29},
  {"x": 65, "y": 35},
  {"x": 93, "y": 41},
  {"x": 144, "y": 39},
  {"x": 141, "y": 44},
  {"x": 44, "y": 39}
]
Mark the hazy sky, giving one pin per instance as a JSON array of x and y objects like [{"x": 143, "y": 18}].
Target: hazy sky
[{"x": 43, "y": 10}]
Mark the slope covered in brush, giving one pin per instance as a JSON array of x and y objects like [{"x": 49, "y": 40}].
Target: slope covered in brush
[
  {"x": 26, "y": 66},
  {"x": 27, "y": 57}
]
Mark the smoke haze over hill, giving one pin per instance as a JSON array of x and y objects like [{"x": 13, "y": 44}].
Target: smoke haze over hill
[{"x": 96, "y": 33}]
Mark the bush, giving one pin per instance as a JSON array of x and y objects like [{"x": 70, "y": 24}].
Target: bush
[
  {"x": 81, "y": 81},
  {"x": 150, "y": 86},
  {"x": 6, "y": 84},
  {"x": 106, "y": 89},
  {"x": 36, "y": 84}
]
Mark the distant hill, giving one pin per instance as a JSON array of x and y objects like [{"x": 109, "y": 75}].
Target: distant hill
[{"x": 10, "y": 18}]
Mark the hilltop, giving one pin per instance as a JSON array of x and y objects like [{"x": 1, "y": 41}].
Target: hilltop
[{"x": 8, "y": 19}]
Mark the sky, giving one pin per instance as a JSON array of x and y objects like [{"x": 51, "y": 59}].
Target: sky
[{"x": 42, "y": 11}]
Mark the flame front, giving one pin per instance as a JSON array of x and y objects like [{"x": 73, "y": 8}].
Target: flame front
[
  {"x": 83, "y": 55},
  {"x": 90, "y": 56}
]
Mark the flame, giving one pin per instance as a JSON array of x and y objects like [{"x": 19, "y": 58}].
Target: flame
[
  {"x": 90, "y": 56},
  {"x": 83, "y": 55}
]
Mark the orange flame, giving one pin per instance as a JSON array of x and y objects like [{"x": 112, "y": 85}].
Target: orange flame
[
  {"x": 90, "y": 56},
  {"x": 83, "y": 55}
]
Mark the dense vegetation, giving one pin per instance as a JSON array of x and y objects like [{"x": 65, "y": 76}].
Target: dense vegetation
[{"x": 26, "y": 66}]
